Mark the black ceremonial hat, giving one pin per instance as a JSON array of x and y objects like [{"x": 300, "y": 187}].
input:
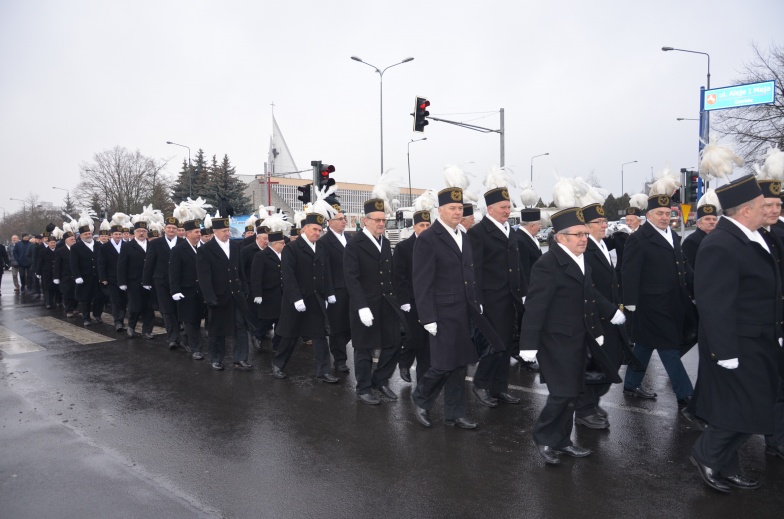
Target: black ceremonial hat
[
  {"x": 706, "y": 210},
  {"x": 593, "y": 212},
  {"x": 496, "y": 195},
  {"x": 567, "y": 218},
  {"x": 530, "y": 215},
  {"x": 738, "y": 192},
  {"x": 374, "y": 205},
  {"x": 633, "y": 211},
  {"x": 770, "y": 188},
  {"x": 314, "y": 218},
  {"x": 220, "y": 223},
  {"x": 657, "y": 201},
  {"x": 191, "y": 225},
  {"x": 468, "y": 210},
  {"x": 424, "y": 216},
  {"x": 450, "y": 195}
]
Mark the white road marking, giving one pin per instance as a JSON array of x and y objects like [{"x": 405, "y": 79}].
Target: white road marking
[
  {"x": 14, "y": 344},
  {"x": 70, "y": 331}
]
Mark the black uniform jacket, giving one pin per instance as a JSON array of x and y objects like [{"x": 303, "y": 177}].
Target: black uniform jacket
[
  {"x": 445, "y": 294},
  {"x": 655, "y": 280},
  {"x": 738, "y": 293},
  {"x": 562, "y": 318},
  {"x": 62, "y": 271},
  {"x": 368, "y": 275},
  {"x": 248, "y": 252},
  {"x": 306, "y": 276},
  {"x": 130, "y": 267},
  {"x": 84, "y": 264},
  {"x": 266, "y": 283},
  {"x": 222, "y": 282},
  {"x": 690, "y": 245},
  {"x": 500, "y": 283},
  {"x": 45, "y": 268},
  {"x": 339, "y": 322},
  {"x": 156, "y": 272},
  {"x": 107, "y": 262},
  {"x": 403, "y": 283},
  {"x": 184, "y": 279},
  {"x": 528, "y": 252}
]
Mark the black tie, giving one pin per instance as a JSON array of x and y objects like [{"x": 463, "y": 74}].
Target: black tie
[{"x": 379, "y": 240}]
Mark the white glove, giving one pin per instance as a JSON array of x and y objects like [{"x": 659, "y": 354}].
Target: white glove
[
  {"x": 38, "y": 276},
  {"x": 406, "y": 307},
  {"x": 326, "y": 304},
  {"x": 331, "y": 300},
  {"x": 432, "y": 328},
  {"x": 78, "y": 281},
  {"x": 528, "y": 355},
  {"x": 300, "y": 305},
  {"x": 121, "y": 287},
  {"x": 622, "y": 227},
  {"x": 257, "y": 300},
  {"x": 618, "y": 318},
  {"x": 524, "y": 299},
  {"x": 631, "y": 308},
  {"x": 600, "y": 340},
  {"x": 56, "y": 281},
  {"x": 366, "y": 316},
  {"x": 729, "y": 363},
  {"x": 781, "y": 341},
  {"x": 481, "y": 309},
  {"x": 147, "y": 287},
  {"x": 178, "y": 296}
]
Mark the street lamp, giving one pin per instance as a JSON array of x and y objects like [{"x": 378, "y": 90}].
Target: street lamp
[
  {"x": 408, "y": 154},
  {"x": 622, "y": 165},
  {"x": 190, "y": 168},
  {"x": 532, "y": 166},
  {"x": 24, "y": 210},
  {"x": 381, "y": 98},
  {"x": 686, "y": 119},
  {"x": 67, "y": 193}
]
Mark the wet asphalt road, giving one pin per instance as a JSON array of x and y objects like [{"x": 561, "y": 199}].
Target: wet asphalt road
[{"x": 126, "y": 428}]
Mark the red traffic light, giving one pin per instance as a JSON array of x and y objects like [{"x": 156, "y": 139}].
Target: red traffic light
[{"x": 326, "y": 169}]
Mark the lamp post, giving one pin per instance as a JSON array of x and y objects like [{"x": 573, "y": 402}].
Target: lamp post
[
  {"x": 67, "y": 193},
  {"x": 381, "y": 98},
  {"x": 408, "y": 155},
  {"x": 190, "y": 168},
  {"x": 24, "y": 210},
  {"x": 686, "y": 119},
  {"x": 532, "y": 165},
  {"x": 622, "y": 165}
]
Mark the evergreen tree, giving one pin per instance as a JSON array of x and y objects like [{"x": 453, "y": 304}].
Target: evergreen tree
[
  {"x": 225, "y": 190},
  {"x": 182, "y": 185},
  {"x": 68, "y": 204},
  {"x": 201, "y": 176}
]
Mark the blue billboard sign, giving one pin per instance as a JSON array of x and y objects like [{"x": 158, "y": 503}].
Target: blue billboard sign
[{"x": 737, "y": 96}]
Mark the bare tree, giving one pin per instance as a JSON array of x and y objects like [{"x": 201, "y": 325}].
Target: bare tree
[
  {"x": 756, "y": 128},
  {"x": 120, "y": 180},
  {"x": 593, "y": 180}
]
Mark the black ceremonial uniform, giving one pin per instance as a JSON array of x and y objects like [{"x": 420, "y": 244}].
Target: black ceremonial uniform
[
  {"x": 130, "y": 267},
  {"x": 247, "y": 253},
  {"x": 306, "y": 277},
  {"x": 368, "y": 275},
  {"x": 156, "y": 274},
  {"x": 224, "y": 289},
  {"x": 84, "y": 265},
  {"x": 529, "y": 253},
  {"x": 339, "y": 323},
  {"x": 416, "y": 346},
  {"x": 184, "y": 279},
  {"x": 108, "y": 257},
  {"x": 562, "y": 320},
  {"x": 690, "y": 245},
  {"x": 265, "y": 282},
  {"x": 500, "y": 288},
  {"x": 45, "y": 269},
  {"x": 62, "y": 276}
]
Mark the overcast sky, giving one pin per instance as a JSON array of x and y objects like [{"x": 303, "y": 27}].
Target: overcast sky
[{"x": 585, "y": 81}]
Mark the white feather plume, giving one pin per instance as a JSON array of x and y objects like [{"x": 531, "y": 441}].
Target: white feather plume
[
  {"x": 773, "y": 168},
  {"x": 575, "y": 192},
  {"x": 387, "y": 188},
  {"x": 57, "y": 233},
  {"x": 67, "y": 227},
  {"x": 639, "y": 200},
  {"x": 105, "y": 225},
  {"x": 276, "y": 223},
  {"x": 198, "y": 208},
  {"x": 181, "y": 212},
  {"x": 427, "y": 201},
  {"x": 86, "y": 218},
  {"x": 299, "y": 217},
  {"x": 207, "y": 221},
  {"x": 528, "y": 197},
  {"x": 155, "y": 226},
  {"x": 456, "y": 177},
  {"x": 666, "y": 183},
  {"x": 717, "y": 161},
  {"x": 498, "y": 177},
  {"x": 264, "y": 212},
  {"x": 710, "y": 197},
  {"x": 324, "y": 208},
  {"x": 252, "y": 219},
  {"x": 121, "y": 219}
]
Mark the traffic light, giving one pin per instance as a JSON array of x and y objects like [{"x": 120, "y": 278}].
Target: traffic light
[
  {"x": 324, "y": 179},
  {"x": 420, "y": 114},
  {"x": 304, "y": 196},
  {"x": 692, "y": 186}
]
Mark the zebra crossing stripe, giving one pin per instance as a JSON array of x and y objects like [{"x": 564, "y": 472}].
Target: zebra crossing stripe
[
  {"x": 13, "y": 344},
  {"x": 69, "y": 331}
]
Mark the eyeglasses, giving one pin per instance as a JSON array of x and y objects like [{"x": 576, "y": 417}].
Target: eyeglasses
[
  {"x": 339, "y": 219},
  {"x": 598, "y": 222},
  {"x": 376, "y": 220},
  {"x": 578, "y": 234}
]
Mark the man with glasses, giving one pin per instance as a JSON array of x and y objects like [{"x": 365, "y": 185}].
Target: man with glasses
[
  {"x": 339, "y": 324},
  {"x": 588, "y": 412},
  {"x": 562, "y": 320},
  {"x": 655, "y": 290}
]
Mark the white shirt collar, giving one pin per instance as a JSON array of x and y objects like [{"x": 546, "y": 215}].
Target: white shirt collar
[
  {"x": 602, "y": 247},
  {"x": 533, "y": 239},
  {"x": 90, "y": 245},
  {"x": 311, "y": 245},
  {"x": 751, "y": 235},
  {"x": 171, "y": 242},
  {"x": 504, "y": 227},
  {"x": 225, "y": 246},
  {"x": 341, "y": 237},
  {"x": 666, "y": 233},
  {"x": 375, "y": 241},
  {"x": 142, "y": 244},
  {"x": 457, "y": 236},
  {"x": 580, "y": 260}
]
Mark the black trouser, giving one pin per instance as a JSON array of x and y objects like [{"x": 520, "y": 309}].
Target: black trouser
[
  {"x": 320, "y": 353},
  {"x": 193, "y": 333},
  {"x": 717, "y": 449},
  {"x": 777, "y": 438},
  {"x": 363, "y": 368},
  {"x": 589, "y": 398},
  {"x": 337, "y": 347},
  {"x": 266, "y": 325},
  {"x": 422, "y": 357},
  {"x": 453, "y": 384},
  {"x": 148, "y": 317},
  {"x": 555, "y": 423},
  {"x": 172, "y": 326},
  {"x": 24, "y": 275},
  {"x": 50, "y": 297},
  {"x": 492, "y": 372},
  {"x": 119, "y": 301},
  {"x": 218, "y": 342}
]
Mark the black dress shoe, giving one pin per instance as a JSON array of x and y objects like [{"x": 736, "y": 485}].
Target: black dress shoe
[
  {"x": 692, "y": 418},
  {"x": 422, "y": 416},
  {"x": 131, "y": 333},
  {"x": 463, "y": 423},
  {"x": 775, "y": 450},
  {"x": 119, "y": 328},
  {"x": 277, "y": 372},
  {"x": 173, "y": 345},
  {"x": 387, "y": 392},
  {"x": 640, "y": 393},
  {"x": 518, "y": 358},
  {"x": 98, "y": 320},
  {"x": 601, "y": 412},
  {"x": 683, "y": 402},
  {"x": 242, "y": 364},
  {"x": 531, "y": 365},
  {"x": 483, "y": 395},
  {"x": 369, "y": 399},
  {"x": 575, "y": 451},
  {"x": 49, "y": 307},
  {"x": 506, "y": 398},
  {"x": 217, "y": 366},
  {"x": 148, "y": 336},
  {"x": 710, "y": 476},
  {"x": 739, "y": 481},
  {"x": 197, "y": 356},
  {"x": 549, "y": 455},
  {"x": 593, "y": 421},
  {"x": 329, "y": 378},
  {"x": 87, "y": 324},
  {"x": 405, "y": 374},
  {"x": 342, "y": 368}
]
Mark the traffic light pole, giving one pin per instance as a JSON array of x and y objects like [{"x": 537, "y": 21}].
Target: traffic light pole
[{"x": 480, "y": 129}]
